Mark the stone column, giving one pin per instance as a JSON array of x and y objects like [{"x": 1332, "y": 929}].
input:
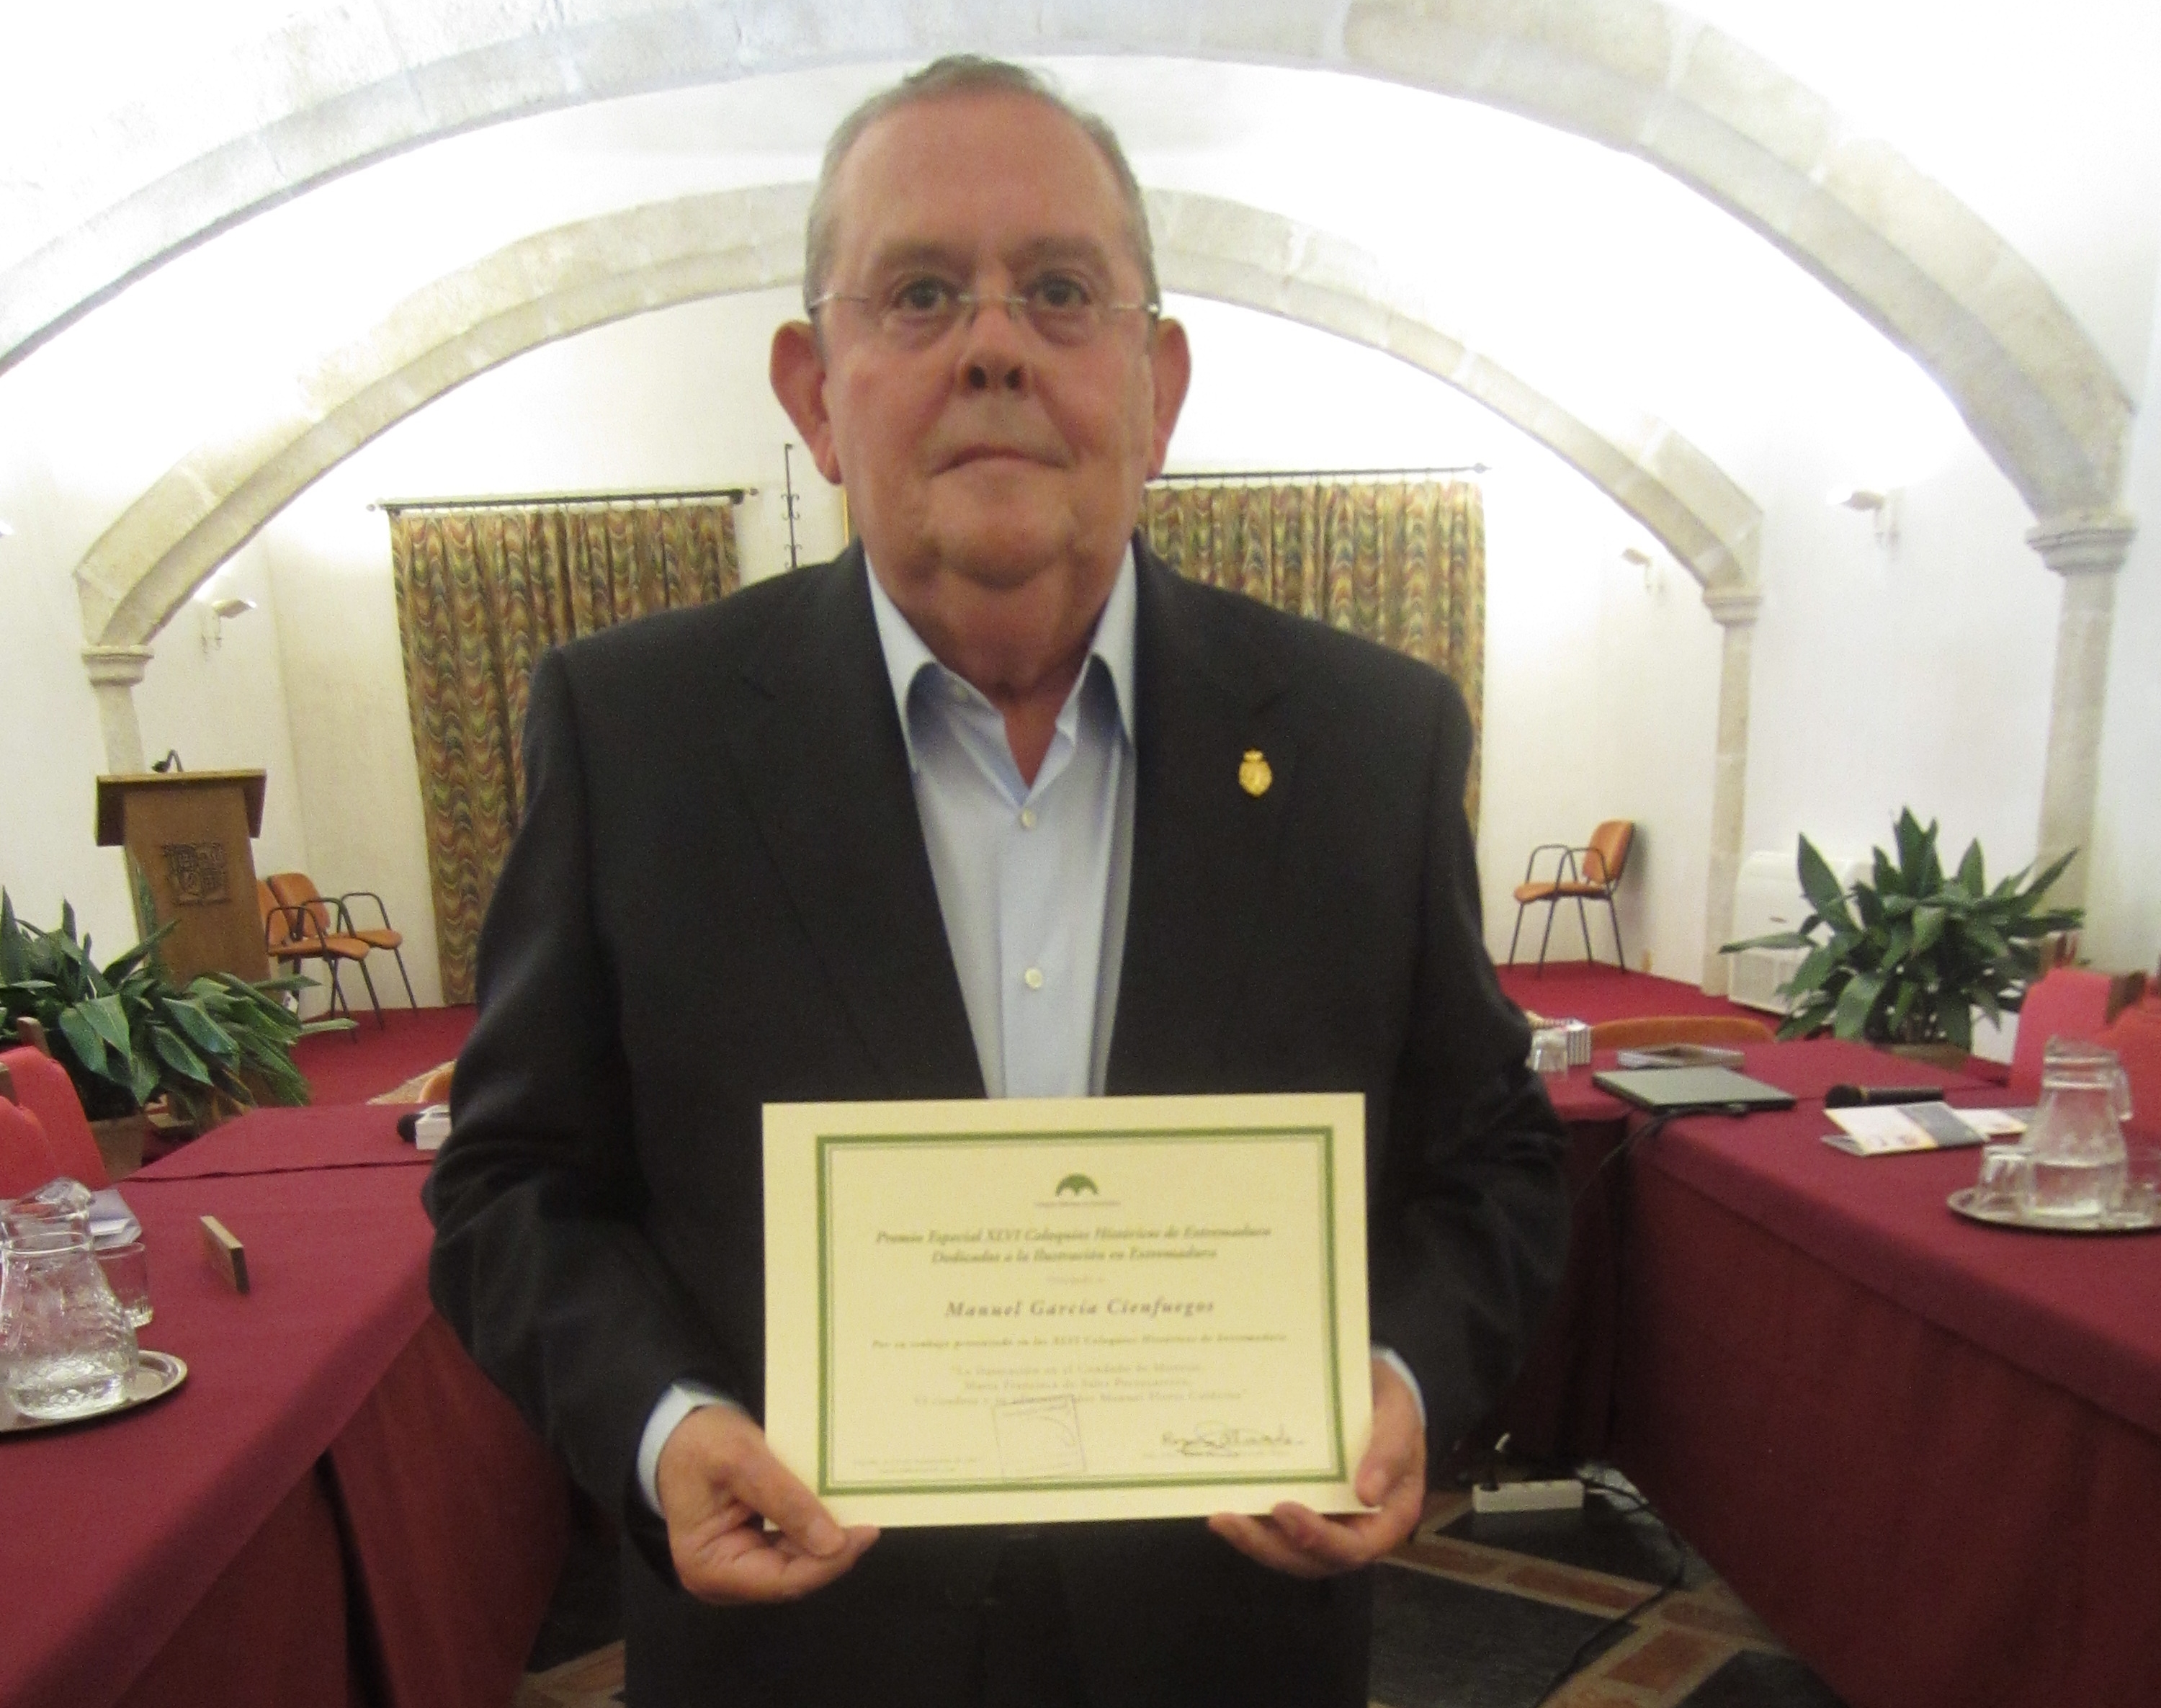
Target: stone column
[
  {"x": 1734, "y": 608},
  {"x": 2086, "y": 547},
  {"x": 114, "y": 671}
]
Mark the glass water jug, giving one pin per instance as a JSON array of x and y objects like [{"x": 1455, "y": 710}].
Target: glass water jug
[
  {"x": 2076, "y": 1140},
  {"x": 65, "y": 1340}
]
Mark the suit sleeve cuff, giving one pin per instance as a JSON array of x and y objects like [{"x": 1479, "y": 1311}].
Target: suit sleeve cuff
[
  {"x": 681, "y": 1399},
  {"x": 1382, "y": 1353}
]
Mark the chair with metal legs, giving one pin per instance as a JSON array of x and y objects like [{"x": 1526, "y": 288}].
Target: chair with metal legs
[
  {"x": 296, "y": 889},
  {"x": 1591, "y": 872},
  {"x": 292, "y": 935}
]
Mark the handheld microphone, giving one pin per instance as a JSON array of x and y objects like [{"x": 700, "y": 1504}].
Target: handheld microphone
[{"x": 1869, "y": 1096}]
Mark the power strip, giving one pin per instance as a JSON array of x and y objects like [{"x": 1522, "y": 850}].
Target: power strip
[{"x": 1562, "y": 1494}]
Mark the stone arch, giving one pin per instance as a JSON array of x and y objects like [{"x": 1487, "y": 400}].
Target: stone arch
[
  {"x": 1635, "y": 75},
  {"x": 560, "y": 282}
]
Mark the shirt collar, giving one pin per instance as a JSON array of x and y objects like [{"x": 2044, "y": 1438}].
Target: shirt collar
[{"x": 906, "y": 656}]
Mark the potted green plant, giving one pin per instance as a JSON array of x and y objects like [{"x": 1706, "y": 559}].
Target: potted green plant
[
  {"x": 1907, "y": 956},
  {"x": 127, "y": 1035}
]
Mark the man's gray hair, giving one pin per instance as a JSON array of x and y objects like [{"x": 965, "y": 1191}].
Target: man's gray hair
[{"x": 967, "y": 74}]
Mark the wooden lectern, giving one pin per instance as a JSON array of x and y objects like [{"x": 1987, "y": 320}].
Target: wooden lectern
[{"x": 187, "y": 833}]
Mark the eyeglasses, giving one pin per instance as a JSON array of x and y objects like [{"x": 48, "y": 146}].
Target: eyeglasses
[{"x": 916, "y": 313}]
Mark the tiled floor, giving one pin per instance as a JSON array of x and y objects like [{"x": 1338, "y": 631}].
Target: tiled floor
[{"x": 1483, "y": 1611}]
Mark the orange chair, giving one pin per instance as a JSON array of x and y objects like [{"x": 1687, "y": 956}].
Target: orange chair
[
  {"x": 1648, "y": 1031},
  {"x": 1592, "y": 873},
  {"x": 296, "y": 889},
  {"x": 292, "y": 936},
  {"x": 43, "y": 1087}
]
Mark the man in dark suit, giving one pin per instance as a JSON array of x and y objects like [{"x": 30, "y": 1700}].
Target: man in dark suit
[{"x": 1007, "y": 808}]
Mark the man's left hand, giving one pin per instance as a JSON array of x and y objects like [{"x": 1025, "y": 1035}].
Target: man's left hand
[{"x": 1391, "y": 1478}]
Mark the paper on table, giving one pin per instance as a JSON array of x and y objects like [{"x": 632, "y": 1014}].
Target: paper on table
[
  {"x": 1889, "y": 1129},
  {"x": 1031, "y": 1310},
  {"x": 111, "y": 1222}
]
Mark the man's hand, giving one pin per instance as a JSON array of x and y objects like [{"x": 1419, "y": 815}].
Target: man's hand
[
  {"x": 717, "y": 1481},
  {"x": 1391, "y": 1477}
]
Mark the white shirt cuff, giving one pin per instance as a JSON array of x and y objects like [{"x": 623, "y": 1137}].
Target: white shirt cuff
[
  {"x": 1389, "y": 1358},
  {"x": 681, "y": 1399}
]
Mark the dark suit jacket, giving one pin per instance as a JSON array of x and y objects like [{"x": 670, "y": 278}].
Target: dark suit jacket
[{"x": 719, "y": 898}]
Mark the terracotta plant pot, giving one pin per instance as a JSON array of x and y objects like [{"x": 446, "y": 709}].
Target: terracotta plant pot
[
  {"x": 1947, "y": 1056},
  {"x": 120, "y": 1143}
]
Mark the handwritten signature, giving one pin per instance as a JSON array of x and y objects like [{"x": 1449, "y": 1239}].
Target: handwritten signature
[{"x": 1227, "y": 1441}]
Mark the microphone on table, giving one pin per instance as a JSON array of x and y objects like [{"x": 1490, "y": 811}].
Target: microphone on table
[{"x": 1871, "y": 1097}]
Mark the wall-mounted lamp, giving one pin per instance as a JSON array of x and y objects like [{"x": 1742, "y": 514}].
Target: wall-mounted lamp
[
  {"x": 1653, "y": 581},
  {"x": 215, "y": 616},
  {"x": 1882, "y": 507}
]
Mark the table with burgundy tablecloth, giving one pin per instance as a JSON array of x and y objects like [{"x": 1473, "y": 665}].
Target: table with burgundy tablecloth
[
  {"x": 335, "y": 1506},
  {"x": 1927, "y": 1452},
  {"x": 1559, "y": 1407}
]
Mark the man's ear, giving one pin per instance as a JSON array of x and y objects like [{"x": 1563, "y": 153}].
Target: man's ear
[
  {"x": 798, "y": 370},
  {"x": 1170, "y": 362}
]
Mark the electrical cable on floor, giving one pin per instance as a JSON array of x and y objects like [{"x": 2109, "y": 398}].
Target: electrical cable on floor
[{"x": 1590, "y": 1644}]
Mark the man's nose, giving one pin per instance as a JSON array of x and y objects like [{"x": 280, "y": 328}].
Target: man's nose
[{"x": 994, "y": 352}]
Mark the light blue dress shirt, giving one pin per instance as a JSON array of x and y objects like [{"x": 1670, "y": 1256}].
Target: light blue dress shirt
[{"x": 1033, "y": 877}]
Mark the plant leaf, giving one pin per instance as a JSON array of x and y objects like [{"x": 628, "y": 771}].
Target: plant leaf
[
  {"x": 1850, "y": 1020},
  {"x": 204, "y": 1032},
  {"x": 1955, "y": 1019},
  {"x": 173, "y": 1051},
  {"x": 83, "y": 1039},
  {"x": 1821, "y": 888},
  {"x": 1928, "y": 927},
  {"x": 110, "y": 1019}
]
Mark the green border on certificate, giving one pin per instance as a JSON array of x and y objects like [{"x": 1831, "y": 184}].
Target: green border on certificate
[{"x": 1029, "y": 1311}]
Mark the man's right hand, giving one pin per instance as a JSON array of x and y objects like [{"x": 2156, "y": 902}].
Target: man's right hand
[{"x": 718, "y": 1483}]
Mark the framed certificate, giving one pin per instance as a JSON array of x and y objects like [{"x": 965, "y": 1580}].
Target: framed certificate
[{"x": 1030, "y": 1310}]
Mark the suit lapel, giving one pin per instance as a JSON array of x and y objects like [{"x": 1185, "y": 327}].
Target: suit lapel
[
  {"x": 1204, "y": 843},
  {"x": 823, "y": 765}
]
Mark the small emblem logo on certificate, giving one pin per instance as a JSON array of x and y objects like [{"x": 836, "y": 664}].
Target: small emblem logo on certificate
[{"x": 1036, "y": 1310}]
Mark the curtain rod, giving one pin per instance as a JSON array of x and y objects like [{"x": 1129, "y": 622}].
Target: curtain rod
[
  {"x": 734, "y": 495},
  {"x": 1320, "y": 474}
]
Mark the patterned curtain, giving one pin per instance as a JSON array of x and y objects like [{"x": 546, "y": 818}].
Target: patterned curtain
[
  {"x": 1400, "y": 563},
  {"x": 481, "y": 593}
]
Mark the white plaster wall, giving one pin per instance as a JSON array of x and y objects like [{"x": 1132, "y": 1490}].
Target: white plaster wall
[
  {"x": 1917, "y": 677},
  {"x": 50, "y": 751},
  {"x": 2125, "y": 897},
  {"x": 216, "y": 694},
  {"x": 673, "y": 400}
]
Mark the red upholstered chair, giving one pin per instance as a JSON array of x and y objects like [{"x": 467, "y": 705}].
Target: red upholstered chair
[
  {"x": 2135, "y": 1036},
  {"x": 1592, "y": 873},
  {"x": 2069, "y": 1002},
  {"x": 26, "y": 1158},
  {"x": 43, "y": 1087}
]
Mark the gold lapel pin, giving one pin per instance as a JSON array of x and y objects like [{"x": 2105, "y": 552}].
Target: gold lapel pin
[{"x": 1254, "y": 776}]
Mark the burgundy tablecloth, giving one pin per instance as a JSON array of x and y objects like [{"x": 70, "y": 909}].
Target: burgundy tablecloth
[
  {"x": 295, "y": 1141},
  {"x": 1557, "y": 1409},
  {"x": 115, "y": 1532},
  {"x": 2081, "y": 1310},
  {"x": 1928, "y": 1521}
]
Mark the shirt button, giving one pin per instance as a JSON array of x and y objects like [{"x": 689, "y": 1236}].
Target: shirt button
[
  {"x": 1033, "y": 978},
  {"x": 1028, "y": 818}
]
